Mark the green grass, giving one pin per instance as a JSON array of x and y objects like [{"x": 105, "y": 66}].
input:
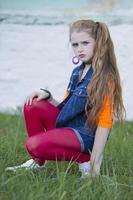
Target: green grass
[{"x": 61, "y": 180}]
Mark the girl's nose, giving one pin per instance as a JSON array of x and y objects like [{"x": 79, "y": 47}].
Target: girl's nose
[{"x": 80, "y": 48}]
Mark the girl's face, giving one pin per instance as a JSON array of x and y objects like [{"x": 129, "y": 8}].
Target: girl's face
[{"x": 83, "y": 45}]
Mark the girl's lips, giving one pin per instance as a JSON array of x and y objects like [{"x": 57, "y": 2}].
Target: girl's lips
[{"x": 82, "y": 55}]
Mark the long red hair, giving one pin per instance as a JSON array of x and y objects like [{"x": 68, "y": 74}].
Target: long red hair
[{"x": 106, "y": 79}]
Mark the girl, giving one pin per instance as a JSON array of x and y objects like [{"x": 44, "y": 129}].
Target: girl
[{"x": 77, "y": 128}]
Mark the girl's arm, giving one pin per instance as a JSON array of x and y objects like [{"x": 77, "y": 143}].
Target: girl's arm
[
  {"x": 56, "y": 103},
  {"x": 98, "y": 149},
  {"x": 102, "y": 132},
  {"x": 53, "y": 101}
]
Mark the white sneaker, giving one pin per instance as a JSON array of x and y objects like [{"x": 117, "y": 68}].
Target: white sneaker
[
  {"x": 28, "y": 165},
  {"x": 85, "y": 169}
]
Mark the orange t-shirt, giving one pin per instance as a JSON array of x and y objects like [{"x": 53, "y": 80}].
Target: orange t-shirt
[{"x": 105, "y": 119}]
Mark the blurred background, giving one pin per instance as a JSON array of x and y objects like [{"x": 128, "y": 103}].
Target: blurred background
[{"x": 35, "y": 51}]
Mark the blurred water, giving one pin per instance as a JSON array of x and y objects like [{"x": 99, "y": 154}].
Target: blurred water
[
  {"x": 42, "y": 4},
  {"x": 50, "y": 12}
]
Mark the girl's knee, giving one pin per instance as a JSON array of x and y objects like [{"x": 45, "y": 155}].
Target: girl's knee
[
  {"x": 31, "y": 144},
  {"x": 30, "y": 108}
]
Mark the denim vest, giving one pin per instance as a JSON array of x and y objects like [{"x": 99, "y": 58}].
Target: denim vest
[{"x": 73, "y": 107}]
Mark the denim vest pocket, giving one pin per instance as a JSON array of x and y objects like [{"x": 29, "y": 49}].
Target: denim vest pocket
[{"x": 81, "y": 91}]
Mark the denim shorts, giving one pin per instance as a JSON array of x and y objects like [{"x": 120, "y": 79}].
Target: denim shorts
[{"x": 86, "y": 141}]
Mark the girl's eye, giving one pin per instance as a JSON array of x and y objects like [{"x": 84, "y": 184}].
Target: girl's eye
[
  {"x": 85, "y": 43},
  {"x": 74, "y": 44}
]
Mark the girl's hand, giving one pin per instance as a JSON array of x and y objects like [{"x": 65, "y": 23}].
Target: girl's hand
[
  {"x": 96, "y": 161},
  {"x": 38, "y": 95},
  {"x": 95, "y": 170}
]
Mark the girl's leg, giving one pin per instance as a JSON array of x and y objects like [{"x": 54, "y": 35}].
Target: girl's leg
[
  {"x": 56, "y": 144},
  {"x": 40, "y": 116}
]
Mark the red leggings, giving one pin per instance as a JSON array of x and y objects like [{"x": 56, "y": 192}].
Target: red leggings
[{"x": 46, "y": 142}]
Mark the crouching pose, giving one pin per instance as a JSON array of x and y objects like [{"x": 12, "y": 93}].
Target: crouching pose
[{"x": 77, "y": 128}]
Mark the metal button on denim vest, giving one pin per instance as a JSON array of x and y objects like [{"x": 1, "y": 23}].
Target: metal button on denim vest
[{"x": 73, "y": 107}]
